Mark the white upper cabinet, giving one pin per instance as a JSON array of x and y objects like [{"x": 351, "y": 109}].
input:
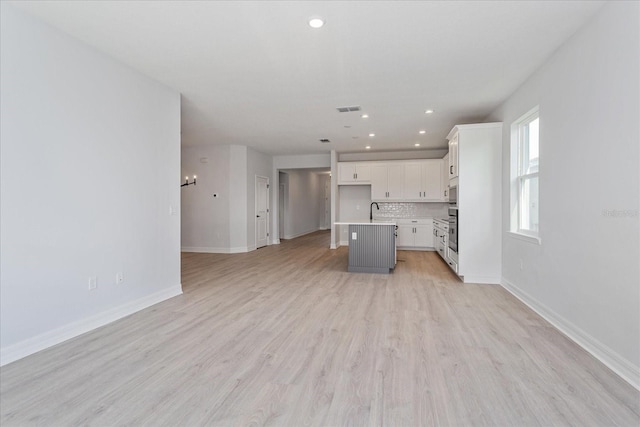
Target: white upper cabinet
[
  {"x": 453, "y": 155},
  {"x": 387, "y": 181},
  {"x": 445, "y": 178},
  {"x": 423, "y": 181},
  {"x": 398, "y": 180},
  {"x": 352, "y": 173}
]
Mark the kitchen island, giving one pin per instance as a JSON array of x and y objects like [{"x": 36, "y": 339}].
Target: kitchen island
[{"x": 372, "y": 246}]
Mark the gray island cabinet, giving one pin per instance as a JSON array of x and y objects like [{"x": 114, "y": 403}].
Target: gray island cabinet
[{"x": 372, "y": 247}]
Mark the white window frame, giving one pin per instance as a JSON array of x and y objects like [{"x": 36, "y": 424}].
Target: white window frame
[{"x": 518, "y": 178}]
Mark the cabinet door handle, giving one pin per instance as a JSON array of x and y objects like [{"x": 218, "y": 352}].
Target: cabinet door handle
[
  {"x": 451, "y": 170},
  {"x": 356, "y": 176}
]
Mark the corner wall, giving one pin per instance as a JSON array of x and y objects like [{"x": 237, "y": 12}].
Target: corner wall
[
  {"x": 90, "y": 161},
  {"x": 585, "y": 276}
]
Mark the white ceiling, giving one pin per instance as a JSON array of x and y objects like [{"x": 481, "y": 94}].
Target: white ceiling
[{"x": 255, "y": 74}]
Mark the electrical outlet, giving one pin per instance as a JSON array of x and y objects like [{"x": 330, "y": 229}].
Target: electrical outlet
[
  {"x": 119, "y": 278},
  {"x": 93, "y": 282}
]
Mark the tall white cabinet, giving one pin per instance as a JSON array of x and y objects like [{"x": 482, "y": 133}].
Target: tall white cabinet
[{"x": 475, "y": 166}]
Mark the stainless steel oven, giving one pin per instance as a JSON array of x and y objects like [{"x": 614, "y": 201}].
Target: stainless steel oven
[{"x": 453, "y": 229}]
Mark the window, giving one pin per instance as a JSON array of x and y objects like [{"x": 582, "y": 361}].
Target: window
[{"x": 525, "y": 162}]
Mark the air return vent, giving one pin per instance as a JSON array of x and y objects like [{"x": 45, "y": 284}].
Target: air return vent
[
  {"x": 325, "y": 141},
  {"x": 348, "y": 109}
]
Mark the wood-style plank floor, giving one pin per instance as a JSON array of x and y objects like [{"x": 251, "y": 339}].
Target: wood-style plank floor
[{"x": 284, "y": 336}]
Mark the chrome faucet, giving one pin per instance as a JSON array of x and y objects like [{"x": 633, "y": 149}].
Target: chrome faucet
[{"x": 371, "y": 210}]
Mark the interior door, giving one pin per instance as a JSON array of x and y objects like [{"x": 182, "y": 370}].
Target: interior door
[{"x": 262, "y": 211}]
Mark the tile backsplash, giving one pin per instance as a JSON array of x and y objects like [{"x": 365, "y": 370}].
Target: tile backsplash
[{"x": 411, "y": 210}]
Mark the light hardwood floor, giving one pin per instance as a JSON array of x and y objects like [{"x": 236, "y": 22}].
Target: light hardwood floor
[{"x": 284, "y": 336}]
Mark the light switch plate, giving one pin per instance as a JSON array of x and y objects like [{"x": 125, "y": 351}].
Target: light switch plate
[{"x": 354, "y": 236}]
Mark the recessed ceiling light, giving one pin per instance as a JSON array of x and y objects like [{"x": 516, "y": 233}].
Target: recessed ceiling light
[
  {"x": 428, "y": 112},
  {"x": 316, "y": 22},
  {"x": 416, "y": 144},
  {"x": 422, "y": 132},
  {"x": 365, "y": 116},
  {"x": 368, "y": 147},
  {"x": 372, "y": 134}
]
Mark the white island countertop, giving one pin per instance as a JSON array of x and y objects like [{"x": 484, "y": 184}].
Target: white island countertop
[{"x": 365, "y": 222}]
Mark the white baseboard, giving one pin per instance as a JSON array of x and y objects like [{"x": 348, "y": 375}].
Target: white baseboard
[
  {"x": 204, "y": 250},
  {"x": 293, "y": 236},
  {"x": 618, "y": 364},
  {"x": 71, "y": 330},
  {"x": 413, "y": 248},
  {"x": 209, "y": 250},
  {"x": 482, "y": 280},
  {"x": 343, "y": 243},
  {"x": 275, "y": 242},
  {"x": 238, "y": 250},
  {"x": 333, "y": 246}
]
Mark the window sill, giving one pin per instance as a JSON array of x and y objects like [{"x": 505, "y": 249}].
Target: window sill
[{"x": 524, "y": 237}]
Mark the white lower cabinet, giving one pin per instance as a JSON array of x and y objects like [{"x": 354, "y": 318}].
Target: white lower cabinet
[
  {"x": 441, "y": 239},
  {"x": 415, "y": 233}
]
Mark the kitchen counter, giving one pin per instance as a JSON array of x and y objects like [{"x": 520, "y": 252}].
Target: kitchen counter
[{"x": 372, "y": 246}]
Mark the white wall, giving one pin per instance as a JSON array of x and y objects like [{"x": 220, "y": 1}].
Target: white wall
[
  {"x": 303, "y": 203},
  {"x": 433, "y": 153},
  {"x": 585, "y": 275},
  {"x": 238, "y": 199},
  {"x": 307, "y": 161},
  {"x": 258, "y": 164},
  {"x": 90, "y": 162},
  {"x": 354, "y": 204},
  {"x": 224, "y": 224},
  {"x": 325, "y": 219},
  {"x": 205, "y": 219}
]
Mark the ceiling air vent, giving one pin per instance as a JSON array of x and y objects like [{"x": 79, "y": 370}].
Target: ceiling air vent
[
  {"x": 325, "y": 141},
  {"x": 348, "y": 109}
]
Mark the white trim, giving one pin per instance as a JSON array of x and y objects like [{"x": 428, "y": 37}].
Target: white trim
[
  {"x": 524, "y": 237},
  {"x": 481, "y": 280},
  {"x": 333, "y": 246},
  {"x": 415, "y": 248},
  {"x": 72, "y": 330},
  {"x": 210, "y": 250},
  {"x": 343, "y": 243},
  {"x": 618, "y": 364},
  {"x": 204, "y": 250},
  {"x": 304, "y": 233},
  {"x": 238, "y": 250},
  {"x": 255, "y": 205}
]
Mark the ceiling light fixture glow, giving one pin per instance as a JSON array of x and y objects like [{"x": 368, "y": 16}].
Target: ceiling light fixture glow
[
  {"x": 316, "y": 22},
  {"x": 428, "y": 112},
  {"x": 422, "y": 132},
  {"x": 365, "y": 116},
  {"x": 416, "y": 144},
  {"x": 368, "y": 147},
  {"x": 372, "y": 134}
]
